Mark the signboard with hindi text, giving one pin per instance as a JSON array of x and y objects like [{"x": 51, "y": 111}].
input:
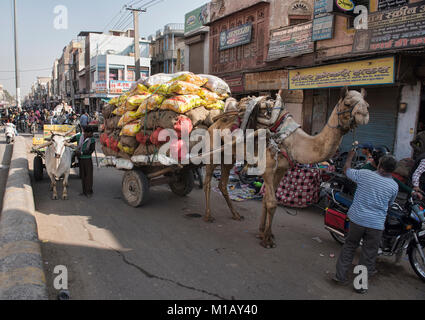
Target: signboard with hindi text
[
  {"x": 291, "y": 41},
  {"x": 357, "y": 73},
  {"x": 399, "y": 28}
]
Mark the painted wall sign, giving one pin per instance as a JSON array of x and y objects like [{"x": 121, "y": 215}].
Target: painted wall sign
[
  {"x": 323, "y": 27},
  {"x": 264, "y": 81},
  {"x": 358, "y": 73},
  {"x": 402, "y": 27},
  {"x": 291, "y": 41},
  {"x": 236, "y": 37}
]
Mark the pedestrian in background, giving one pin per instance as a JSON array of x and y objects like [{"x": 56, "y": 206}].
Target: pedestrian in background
[{"x": 84, "y": 120}]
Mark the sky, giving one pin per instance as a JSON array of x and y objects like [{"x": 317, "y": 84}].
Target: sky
[{"x": 40, "y": 43}]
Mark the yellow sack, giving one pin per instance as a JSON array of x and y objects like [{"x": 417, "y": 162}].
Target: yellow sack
[
  {"x": 140, "y": 89},
  {"x": 183, "y": 88},
  {"x": 119, "y": 111},
  {"x": 219, "y": 105},
  {"x": 160, "y": 89},
  {"x": 122, "y": 99},
  {"x": 127, "y": 150},
  {"x": 131, "y": 129},
  {"x": 127, "y": 118},
  {"x": 191, "y": 78},
  {"x": 182, "y": 104},
  {"x": 209, "y": 96},
  {"x": 134, "y": 102},
  {"x": 151, "y": 103},
  {"x": 114, "y": 102}
]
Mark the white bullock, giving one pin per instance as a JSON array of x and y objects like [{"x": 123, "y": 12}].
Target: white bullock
[{"x": 58, "y": 162}]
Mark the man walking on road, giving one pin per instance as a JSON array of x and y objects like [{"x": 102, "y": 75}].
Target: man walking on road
[
  {"x": 86, "y": 147},
  {"x": 376, "y": 191},
  {"x": 84, "y": 120}
]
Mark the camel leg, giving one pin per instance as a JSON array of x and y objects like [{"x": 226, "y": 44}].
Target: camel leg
[
  {"x": 209, "y": 170},
  {"x": 65, "y": 187},
  {"x": 224, "y": 181},
  {"x": 272, "y": 179}
]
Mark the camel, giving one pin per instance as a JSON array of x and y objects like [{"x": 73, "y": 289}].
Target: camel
[{"x": 299, "y": 147}]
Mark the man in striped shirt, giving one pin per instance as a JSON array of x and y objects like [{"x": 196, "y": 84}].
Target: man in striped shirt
[{"x": 376, "y": 192}]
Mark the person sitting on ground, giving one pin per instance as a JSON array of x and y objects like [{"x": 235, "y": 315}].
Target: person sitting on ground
[{"x": 376, "y": 192}]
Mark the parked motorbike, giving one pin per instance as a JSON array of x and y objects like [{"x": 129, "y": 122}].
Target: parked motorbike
[{"x": 404, "y": 228}]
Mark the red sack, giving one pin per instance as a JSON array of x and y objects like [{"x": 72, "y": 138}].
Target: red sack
[
  {"x": 142, "y": 138},
  {"x": 183, "y": 126},
  {"x": 178, "y": 150},
  {"x": 155, "y": 137},
  {"x": 104, "y": 139}
]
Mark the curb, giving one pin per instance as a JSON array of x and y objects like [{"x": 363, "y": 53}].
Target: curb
[{"x": 21, "y": 267}]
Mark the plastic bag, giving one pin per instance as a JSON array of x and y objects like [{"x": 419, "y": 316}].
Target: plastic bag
[
  {"x": 124, "y": 164},
  {"x": 131, "y": 129},
  {"x": 160, "y": 78},
  {"x": 183, "y": 126},
  {"x": 114, "y": 101},
  {"x": 120, "y": 111},
  {"x": 192, "y": 78},
  {"x": 184, "y": 88},
  {"x": 182, "y": 104},
  {"x": 216, "y": 84},
  {"x": 128, "y": 117}
]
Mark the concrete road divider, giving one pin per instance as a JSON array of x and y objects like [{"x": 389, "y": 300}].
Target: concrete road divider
[{"x": 21, "y": 266}]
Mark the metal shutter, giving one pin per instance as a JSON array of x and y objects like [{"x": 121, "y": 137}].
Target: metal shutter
[{"x": 382, "y": 126}]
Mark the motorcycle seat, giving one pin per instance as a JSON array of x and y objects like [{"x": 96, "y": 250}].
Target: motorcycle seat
[{"x": 345, "y": 199}]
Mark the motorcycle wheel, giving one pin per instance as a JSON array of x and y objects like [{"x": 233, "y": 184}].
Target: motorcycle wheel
[
  {"x": 337, "y": 238},
  {"x": 416, "y": 261}
]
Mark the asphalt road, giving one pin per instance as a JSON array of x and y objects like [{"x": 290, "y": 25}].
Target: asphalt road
[{"x": 165, "y": 251}]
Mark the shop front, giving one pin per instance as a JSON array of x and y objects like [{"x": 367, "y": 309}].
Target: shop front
[{"x": 322, "y": 88}]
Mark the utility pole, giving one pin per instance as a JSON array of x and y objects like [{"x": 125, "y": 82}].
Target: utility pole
[
  {"x": 136, "y": 39},
  {"x": 17, "y": 78}
]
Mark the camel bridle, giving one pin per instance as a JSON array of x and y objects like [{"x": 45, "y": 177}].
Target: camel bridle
[{"x": 339, "y": 113}]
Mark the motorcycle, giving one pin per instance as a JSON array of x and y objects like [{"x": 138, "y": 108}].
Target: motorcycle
[
  {"x": 404, "y": 228},
  {"x": 10, "y": 133}
]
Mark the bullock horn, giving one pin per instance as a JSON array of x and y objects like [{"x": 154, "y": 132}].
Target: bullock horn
[
  {"x": 70, "y": 145},
  {"x": 44, "y": 145}
]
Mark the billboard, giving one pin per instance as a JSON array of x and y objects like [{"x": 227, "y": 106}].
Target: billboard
[
  {"x": 357, "y": 73},
  {"x": 197, "y": 18}
]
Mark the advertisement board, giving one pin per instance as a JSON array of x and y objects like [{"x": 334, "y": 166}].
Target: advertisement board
[
  {"x": 236, "y": 37},
  {"x": 357, "y": 73},
  {"x": 197, "y": 18},
  {"x": 119, "y": 86}
]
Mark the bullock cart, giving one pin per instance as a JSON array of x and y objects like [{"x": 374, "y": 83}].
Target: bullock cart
[{"x": 39, "y": 160}]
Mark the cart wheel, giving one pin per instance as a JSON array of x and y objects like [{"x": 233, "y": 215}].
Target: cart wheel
[
  {"x": 183, "y": 184},
  {"x": 38, "y": 168},
  {"x": 135, "y": 188}
]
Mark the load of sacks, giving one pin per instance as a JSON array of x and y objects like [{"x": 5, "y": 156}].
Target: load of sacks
[{"x": 182, "y": 102}]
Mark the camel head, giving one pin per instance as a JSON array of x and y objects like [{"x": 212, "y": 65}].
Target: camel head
[{"x": 353, "y": 110}]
